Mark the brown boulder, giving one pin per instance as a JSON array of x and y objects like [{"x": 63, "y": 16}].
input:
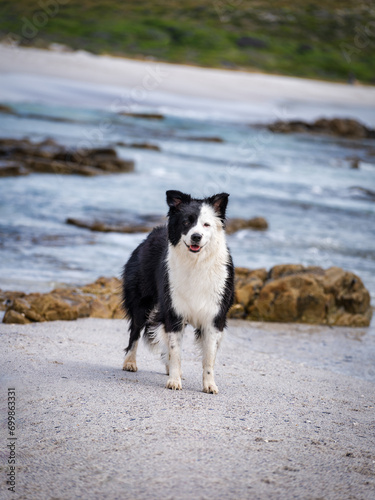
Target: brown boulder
[
  {"x": 285, "y": 270},
  {"x": 243, "y": 275},
  {"x": 350, "y": 296},
  {"x": 277, "y": 302},
  {"x": 101, "y": 299},
  {"x": 12, "y": 316},
  {"x": 294, "y": 293},
  {"x": 236, "y": 224},
  {"x": 58, "y": 304},
  {"x": 261, "y": 273},
  {"x": 246, "y": 294},
  {"x": 294, "y": 298},
  {"x": 98, "y": 309}
]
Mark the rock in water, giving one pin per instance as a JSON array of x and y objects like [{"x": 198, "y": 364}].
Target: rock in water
[
  {"x": 256, "y": 223},
  {"x": 143, "y": 116},
  {"x": 6, "y": 109},
  {"x": 22, "y": 157},
  {"x": 342, "y": 127},
  {"x": 146, "y": 223},
  {"x": 143, "y": 224}
]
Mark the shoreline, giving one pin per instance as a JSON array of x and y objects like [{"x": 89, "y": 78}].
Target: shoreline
[
  {"x": 65, "y": 78},
  {"x": 72, "y": 54}
]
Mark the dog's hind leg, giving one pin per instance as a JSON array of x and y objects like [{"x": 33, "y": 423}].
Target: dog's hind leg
[
  {"x": 210, "y": 341},
  {"x": 130, "y": 361}
]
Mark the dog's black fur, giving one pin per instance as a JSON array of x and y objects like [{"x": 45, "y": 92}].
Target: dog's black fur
[{"x": 147, "y": 297}]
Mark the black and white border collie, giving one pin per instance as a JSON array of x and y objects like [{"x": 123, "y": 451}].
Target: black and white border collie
[{"x": 182, "y": 273}]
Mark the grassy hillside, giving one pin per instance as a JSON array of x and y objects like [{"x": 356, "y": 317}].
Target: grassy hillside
[{"x": 326, "y": 39}]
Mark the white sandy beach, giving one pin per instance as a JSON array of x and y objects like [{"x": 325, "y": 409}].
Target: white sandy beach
[
  {"x": 72, "y": 78},
  {"x": 293, "y": 419}
]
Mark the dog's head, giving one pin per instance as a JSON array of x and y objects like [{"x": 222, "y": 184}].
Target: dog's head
[{"x": 194, "y": 223}]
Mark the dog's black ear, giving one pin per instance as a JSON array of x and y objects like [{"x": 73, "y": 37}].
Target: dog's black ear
[
  {"x": 219, "y": 203},
  {"x": 175, "y": 198}
]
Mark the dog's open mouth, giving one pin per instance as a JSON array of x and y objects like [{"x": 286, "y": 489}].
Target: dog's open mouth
[{"x": 194, "y": 248}]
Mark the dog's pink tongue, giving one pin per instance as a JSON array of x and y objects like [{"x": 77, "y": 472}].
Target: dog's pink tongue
[{"x": 194, "y": 247}]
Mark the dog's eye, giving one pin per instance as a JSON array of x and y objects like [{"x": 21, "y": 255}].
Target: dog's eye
[
  {"x": 186, "y": 222},
  {"x": 206, "y": 224}
]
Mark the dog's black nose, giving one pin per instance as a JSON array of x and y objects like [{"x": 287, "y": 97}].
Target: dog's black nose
[{"x": 196, "y": 237}]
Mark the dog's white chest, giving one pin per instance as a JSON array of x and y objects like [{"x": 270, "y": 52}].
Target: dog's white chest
[{"x": 197, "y": 288}]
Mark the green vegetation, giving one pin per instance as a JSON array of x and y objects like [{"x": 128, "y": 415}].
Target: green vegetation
[{"x": 324, "y": 39}]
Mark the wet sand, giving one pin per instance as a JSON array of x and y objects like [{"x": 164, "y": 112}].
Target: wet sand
[{"x": 293, "y": 419}]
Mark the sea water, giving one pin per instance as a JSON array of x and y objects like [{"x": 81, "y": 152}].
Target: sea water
[{"x": 320, "y": 210}]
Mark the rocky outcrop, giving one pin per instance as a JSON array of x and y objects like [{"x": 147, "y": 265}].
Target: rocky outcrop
[
  {"x": 12, "y": 169},
  {"x": 98, "y": 300},
  {"x": 22, "y": 157},
  {"x": 139, "y": 145},
  {"x": 294, "y": 293},
  {"x": 342, "y": 127},
  {"x": 256, "y": 223},
  {"x": 144, "y": 224},
  {"x": 6, "y": 109},
  {"x": 204, "y": 139},
  {"x": 287, "y": 293},
  {"x": 144, "y": 116}
]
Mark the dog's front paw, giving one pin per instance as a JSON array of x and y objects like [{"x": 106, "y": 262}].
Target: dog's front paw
[
  {"x": 210, "y": 388},
  {"x": 174, "y": 384},
  {"x": 130, "y": 366}
]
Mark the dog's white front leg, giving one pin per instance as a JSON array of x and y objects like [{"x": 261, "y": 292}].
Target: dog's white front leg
[
  {"x": 174, "y": 358},
  {"x": 210, "y": 342}
]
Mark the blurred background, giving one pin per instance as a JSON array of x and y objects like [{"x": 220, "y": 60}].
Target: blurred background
[
  {"x": 125, "y": 144},
  {"x": 309, "y": 39}
]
